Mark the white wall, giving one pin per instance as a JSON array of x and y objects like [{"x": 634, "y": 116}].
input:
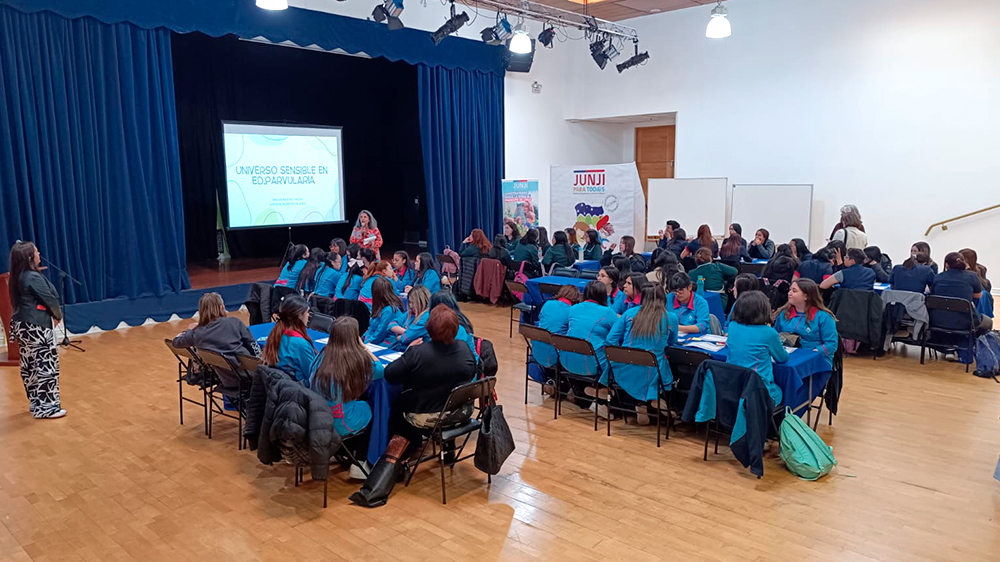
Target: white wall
[{"x": 888, "y": 105}]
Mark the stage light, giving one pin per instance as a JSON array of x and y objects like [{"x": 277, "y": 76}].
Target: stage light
[
  {"x": 453, "y": 24},
  {"x": 635, "y": 60},
  {"x": 272, "y": 4},
  {"x": 497, "y": 34},
  {"x": 520, "y": 43},
  {"x": 546, "y": 36},
  {"x": 388, "y": 11},
  {"x": 602, "y": 50},
  {"x": 719, "y": 26}
]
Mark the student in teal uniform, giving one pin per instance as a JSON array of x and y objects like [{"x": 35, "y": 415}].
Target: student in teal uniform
[
  {"x": 592, "y": 249},
  {"x": 404, "y": 271},
  {"x": 652, "y": 328},
  {"x": 465, "y": 331},
  {"x": 560, "y": 252},
  {"x": 611, "y": 279},
  {"x": 554, "y": 317},
  {"x": 752, "y": 343},
  {"x": 417, "y": 302},
  {"x": 691, "y": 309},
  {"x": 339, "y": 246},
  {"x": 295, "y": 262},
  {"x": 387, "y": 310},
  {"x": 807, "y": 316},
  {"x": 289, "y": 347},
  {"x": 633, "y": 290},
  {"x": 342, "y": 373},
  {"x": 328, "y": 275},
  {"x": 374, "y": 271},
  {"x": 427, "y": 273},
  {"x": 350, "y": 285},
  {"x": 307, "y": 277},
  {"x": 591, "y": 320}
]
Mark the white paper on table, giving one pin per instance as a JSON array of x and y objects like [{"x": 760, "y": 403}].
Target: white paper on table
[
  {"x": 790, "y": 350},
  {"x": 390, "y": 357},
  {"x": 374, "y": 348},
  {"x": 323, "y": 341},
  {"x": 712, "y": 338},
  {"x": 707, "y": 346}
]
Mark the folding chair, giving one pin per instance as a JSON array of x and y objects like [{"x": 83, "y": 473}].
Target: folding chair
[
  {"x": 300, "y": 469},
  {"x": 482, "y": 390},
  {"x": 278, "y": 294},
  {"x": 533, "y": 334},
  {"x": 443, "y": 259},
  {"x": 587, "y": 274},
  {"x": 548, "y": 290},
  {"x": 320, "y": 322},
  {"x": 684, "y": 364},
  {"x": 565, "y": 272},
  {"x": 567, "y": 344},
  {"x": 222, "y": 366},
  {"x": 518, "y": 308},
  {"x": 833, "y": 386},
  {"x": 752, "y": 268},
  {"x": 956, "y": 309},
  {"x": 185, "y": 359},
  {"x": 639, "y": 358}
]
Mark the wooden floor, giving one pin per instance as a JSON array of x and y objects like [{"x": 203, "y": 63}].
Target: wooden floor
[
  {"x": 119, "y": 479},
  {"x": 205, "y": 275}
]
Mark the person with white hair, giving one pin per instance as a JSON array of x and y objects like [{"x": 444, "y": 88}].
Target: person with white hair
[{"x": 850, "y": 229}]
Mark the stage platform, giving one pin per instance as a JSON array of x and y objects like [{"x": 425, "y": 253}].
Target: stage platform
[{"x": 230, "y": 279}]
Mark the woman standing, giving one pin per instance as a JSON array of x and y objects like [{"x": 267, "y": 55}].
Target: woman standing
[
  {"x": 36, "y": 304},
  {"x": 852, "y": 231},
  {"x": 366, "y": 234}
]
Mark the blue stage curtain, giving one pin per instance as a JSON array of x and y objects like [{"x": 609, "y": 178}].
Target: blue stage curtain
[
  {"x": 302, "y": 27},
  {"x": 89, "y": 164},
  {"x": 461, "y": 132}
]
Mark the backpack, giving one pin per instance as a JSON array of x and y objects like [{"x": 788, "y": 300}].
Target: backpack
[
  {"x": 804, "y": 453},
  {"x": 987, "y": 355}
]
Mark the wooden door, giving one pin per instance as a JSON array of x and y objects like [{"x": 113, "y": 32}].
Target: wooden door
[{"x": 654, "y": 154}]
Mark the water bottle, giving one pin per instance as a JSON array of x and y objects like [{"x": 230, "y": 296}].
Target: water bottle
[{"x": 701, "y": 286}]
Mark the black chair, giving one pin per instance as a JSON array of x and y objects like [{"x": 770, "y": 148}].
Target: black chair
[
  {"x": 684, "y": 364},
  {"x": 752, "y": 268},
  {"x": 320, "y": 322},
  {"x": 565, "y": 272},
  {"x": 482, "y": 390},
  {"x": 447, "y": 278},
  {"x": 185, "y": 360},
  {"x": 227, "y": 372},
  {"x": 956, "y": 310},
  {"x": 321, "y": 304},
  {"x": 567, "y": 344},
  {"x": 355, "y": 309},
  {"x": 831, "y": 392},
  {"x": 530, "y": 334},
  {"x": 548, "y": 290},
  {"x": 639, "y": 358},
  {"x": 278, "y": 294},
  {"x": 588, "y": 274},
  {"x": 518, "y": 308}
]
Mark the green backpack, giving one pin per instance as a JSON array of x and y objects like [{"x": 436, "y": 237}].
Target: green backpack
[{"x": 804, "y": 453}]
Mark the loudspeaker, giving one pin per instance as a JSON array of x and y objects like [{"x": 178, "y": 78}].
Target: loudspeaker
[{"x": 520, "y": 63}]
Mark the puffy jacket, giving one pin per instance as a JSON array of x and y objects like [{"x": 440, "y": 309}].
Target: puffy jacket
[{"x": 859, "y": 315}]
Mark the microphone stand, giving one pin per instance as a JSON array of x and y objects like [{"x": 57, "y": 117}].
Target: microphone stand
[{"x": 63, "y": 276}]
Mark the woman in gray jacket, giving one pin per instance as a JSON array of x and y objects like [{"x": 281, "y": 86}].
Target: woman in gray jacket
[{"x": 36, "y": 304}]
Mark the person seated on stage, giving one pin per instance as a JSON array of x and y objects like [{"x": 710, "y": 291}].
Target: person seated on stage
[
  {"x": 761, "y": 247},
  {"x": 592, "y": 249},
  {"x": 925, "y": 248},
  {"x": 632, "y": 287},
  {"x": 499, "y": 251},
  {"x": 854, "y": 275},
  {"x": 554, "y": 317},
  {"x": 649, "y": 327},
  {"x": 387, "y": 311},
  {"x": 475, "y": 245},
  {"x": 875, "y": 260},
  {"x": 339, "y": 246},
  {"x": 366, "y": 233},
  {"x": 295, "y": 261},
  {"x": 426, "y": 274},
  {"x": 511, "y": 235},
  {"x": 591, "y": 320},
  {"x": 636, "y": 262},
  {"x": 350, "y": 282},
  {"x": 610, "y": 277},
  {"x": 307, "y": 277},
  {"x": 405, "y": 272},
  {"x": 733, "y": 250},
  {"x": 799, "y": 249},
  {"x": 342, "y": 373},
  {"x": 527, "y": 253},
  {"x": 914, "y": 274},
  {"x": 663, "y": 265},
  {"x": 328, "y": 275},
  {"x": 427, "y": 373},
  {"x": 715, "y": 274},
  {"x": 667, "y": 234},
  {"x": 704, "y": 240},
  {"x": 289, "y": 346},
  {"x": 816, "y": 267},
  {"x": 691, "y": 309},
  {"x": 560, "y": 252},
  {"x": 752, "y": 342},
  {"x": 374, "y": 271},
  {"x": 957, "y": 282},
  {"x": 807, "y": 316},
  {"x": 574, "y": 243},
  {"x": 417, "y": 302},
  {"x": 214, "y": 331}
]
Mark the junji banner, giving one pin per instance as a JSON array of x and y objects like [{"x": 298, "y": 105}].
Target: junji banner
[
  {"x": 520, "y": 203},
  {"x": 605, "y": 198}
]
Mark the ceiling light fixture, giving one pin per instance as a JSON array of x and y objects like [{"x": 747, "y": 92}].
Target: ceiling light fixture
[
  {"x": 499, "y": 33},
  {"x": 603, "y": 50},
  {"x": 635, "y": 60},
  {"x": 520, "y": 43},
  {"x": 388, "y": 11},
  {"x": 546, "y": 36},
  {"x": 272, "y": 4},
  {"x": 719, "y": 26},
  {"x": 454, "y": 23}
]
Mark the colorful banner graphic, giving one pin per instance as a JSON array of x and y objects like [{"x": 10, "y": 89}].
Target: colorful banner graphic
[
  {"x": 520, "y": 203},
  {"x": 605, "y": 198}
]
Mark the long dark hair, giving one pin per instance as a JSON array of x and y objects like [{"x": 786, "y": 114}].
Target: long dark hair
[
  {"x": 731, "y": 247},
  {"x": 652, "y": 310},
  {"x": 916, "y": 259},
  {"x": 22, "y": 258},
  {"x": 628, "y": 245},
  {"x": 383, "y": 295},
  {"x": 294, "y": 254},
  {"x": 448, "y": 299},
  {"x": 345, "y": 361},
  {"x": 597, "y": 292},
  {"x": 515, "y": 232},
  {"x": 340, "y": 244},
  {"x": 427, "y": 263},
  {"x": 543, "y": 238},
  {"x": 353, "y": 252},
  {"x": 289, "y": 318},
  {"x": 306, "y": 279},
  {"x": 623, "y": 265},
  {"x": 667, "y": 264},
  {"x": 801, "y": 250},
  {"x": 563, "y": 240},
  {"x": 925, "y": 248},
  {"x": 530, "y": 237},
  {"x": 593, "y": 238},
  {"x": 954, "y": 260},
  {"x": 705, "y": 236}
]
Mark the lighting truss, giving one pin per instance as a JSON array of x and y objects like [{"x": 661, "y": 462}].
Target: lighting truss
[{"x": 558, "y": 17}]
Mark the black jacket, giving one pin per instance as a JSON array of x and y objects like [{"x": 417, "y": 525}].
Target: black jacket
[
  {"x": 488, "y": 365},
  {"x": 38, "y": 301},
  {"x": 466, "y": 275},
  {"x": 428, "y": 373},
  {"x": 258, "y": 303},
  {"x": 636, "y": 261},
  {"x": 859, "y": 315}
]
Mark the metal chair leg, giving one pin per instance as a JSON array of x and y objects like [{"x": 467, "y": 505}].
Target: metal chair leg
[
  {"x": 555, "y": 407},
  {"x": 180, "y": 393},
  {"x": 444, "y": 497},
  {"x": 708, "y": 426},
  {"x": 717, "y": 433},
  {"x": 326, "y": 488}
]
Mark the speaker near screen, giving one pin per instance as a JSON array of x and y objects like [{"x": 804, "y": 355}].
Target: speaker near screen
[{"x": 279, "y": 175}]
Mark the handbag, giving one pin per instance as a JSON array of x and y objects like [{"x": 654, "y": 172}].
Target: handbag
[{"x": 495, "y": 441}]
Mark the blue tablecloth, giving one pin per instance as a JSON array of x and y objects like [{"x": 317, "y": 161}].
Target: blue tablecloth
[
  {"x": 793, "y": 377},
  {"x": 587, "y": 265},
  {"x": 380, "y": 394}
]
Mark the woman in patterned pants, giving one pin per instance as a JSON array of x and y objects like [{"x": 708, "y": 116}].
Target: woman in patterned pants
[{"x": 36, "y": 305}]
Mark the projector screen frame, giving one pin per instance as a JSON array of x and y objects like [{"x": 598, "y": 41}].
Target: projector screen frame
[{"x": 343, "y": 190}]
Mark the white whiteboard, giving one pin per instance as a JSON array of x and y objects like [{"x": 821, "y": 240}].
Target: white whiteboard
[
  {"x": 691, "y": 202},
  {"x": 784, "y": 210}
]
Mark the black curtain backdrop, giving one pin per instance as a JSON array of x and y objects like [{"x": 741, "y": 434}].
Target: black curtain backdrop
[{"x": 374, "y": 100}]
